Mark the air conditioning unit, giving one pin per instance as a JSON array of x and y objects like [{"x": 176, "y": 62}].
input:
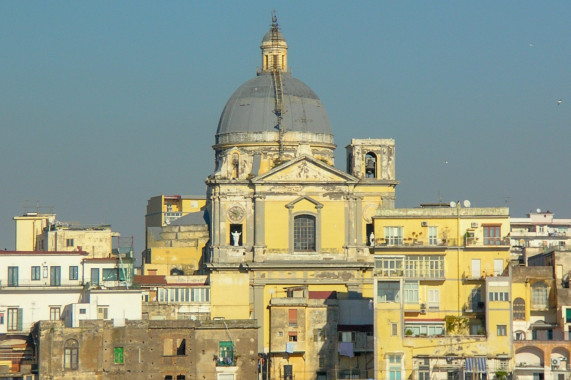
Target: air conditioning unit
[
  {"x": 424, "y": 224},
  {"x": 555, "y": 362},
  {"x": 474, "y": 225}
]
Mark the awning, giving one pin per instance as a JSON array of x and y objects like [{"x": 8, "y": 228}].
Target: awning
[{"x": 475, "y": 365}]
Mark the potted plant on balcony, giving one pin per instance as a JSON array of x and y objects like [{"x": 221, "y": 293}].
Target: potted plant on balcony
[{"x": 501, "y": 375}]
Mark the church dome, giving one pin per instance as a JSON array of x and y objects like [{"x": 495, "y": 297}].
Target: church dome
[
  {"x": 252, "y": 108},
  {"x": 274, "y": 105}
]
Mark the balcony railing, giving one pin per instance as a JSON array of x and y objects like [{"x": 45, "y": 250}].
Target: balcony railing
[
  {"x": 38, "y": 284},
  {"x": 443, "y": 242},
  {"x": 544, "y": 336}
]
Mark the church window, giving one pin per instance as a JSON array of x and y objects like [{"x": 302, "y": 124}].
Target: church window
[
  {"x": 304, "y": 233},
  {"x": 370, "y": 165},
  {"x": 235, "y": 166}
]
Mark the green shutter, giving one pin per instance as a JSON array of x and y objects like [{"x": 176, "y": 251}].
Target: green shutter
[
  {"x": 118, "y": 355},
  {"x": 20, "y": 319},
  {"x": 568, "y": 315}
]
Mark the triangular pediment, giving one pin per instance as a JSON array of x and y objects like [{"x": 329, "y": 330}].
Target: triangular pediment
[{"x": 305, "y": 169}]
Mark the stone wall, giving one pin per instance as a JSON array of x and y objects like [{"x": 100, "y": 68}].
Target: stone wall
[{"x": 148, "y": 349}]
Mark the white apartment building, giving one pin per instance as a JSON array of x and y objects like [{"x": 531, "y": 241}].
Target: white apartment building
[{"x": 36, "y": 285}]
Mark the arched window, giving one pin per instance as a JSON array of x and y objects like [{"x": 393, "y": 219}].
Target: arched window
[
  {"x": 235, "y": 166},
  {"x": 539, "y": 295},
  {"x": 520, "y": 335},
  {"x": 519, "y": 309},
  {"x": 304, "y": 233},
  {"x": 71, "y": 354},
  {"x": 370, "y": 165}
]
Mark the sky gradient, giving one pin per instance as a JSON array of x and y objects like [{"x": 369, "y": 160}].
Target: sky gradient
[{"x": 106, "y": 104}]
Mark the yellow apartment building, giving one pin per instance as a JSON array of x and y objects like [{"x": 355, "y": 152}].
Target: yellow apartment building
[{"x": 442, "y": 293}]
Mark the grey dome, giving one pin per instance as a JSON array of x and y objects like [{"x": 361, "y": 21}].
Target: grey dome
[
  {"x": 268, "y": 36},
  {"x": 251, "y": 108}
]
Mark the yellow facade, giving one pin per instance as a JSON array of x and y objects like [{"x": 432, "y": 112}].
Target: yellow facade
[
  {"x": 442, "y": 290},
  {"x": 173, "y": 244},
  {"x": 28, "y": 227}
]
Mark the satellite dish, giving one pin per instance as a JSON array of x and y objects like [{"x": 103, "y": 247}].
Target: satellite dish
[
  {"x": 452, "y": 204},
  {"x": 538, "y": 210},
  {"x": 467, "y": 203}
]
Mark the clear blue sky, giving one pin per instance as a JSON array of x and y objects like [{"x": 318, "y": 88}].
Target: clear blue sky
[{"x": 106, "y": 104}]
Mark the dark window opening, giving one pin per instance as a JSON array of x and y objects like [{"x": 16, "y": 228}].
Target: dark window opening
[
  {"x": 370, "y": 165},
  {"x": 236, "y": 235},
  {"x": 235, "y": 166},
  {"x": 370, "y": 235},
  {"x": 288, "y": 372},
  {"x": 181, "y": 347},
  {"x": 292, "y": 337}
]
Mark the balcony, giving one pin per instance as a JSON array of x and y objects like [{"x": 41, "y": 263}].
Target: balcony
[
  {"x": 169, "y": 217},
  {"x": 45, "y": 285},
  {"x": 429, "y": 243},
  {"x": 543, "y": 336}
]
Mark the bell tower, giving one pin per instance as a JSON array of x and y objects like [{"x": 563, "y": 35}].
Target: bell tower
[{"x": 371, "y": 159}]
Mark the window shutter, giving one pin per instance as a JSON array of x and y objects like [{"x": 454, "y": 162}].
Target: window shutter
[
  {"x": 20, "y": 319},
  {"x": 292, "y": 316}
]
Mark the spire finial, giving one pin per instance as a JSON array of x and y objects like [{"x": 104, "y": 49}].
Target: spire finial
[{"x": 274, "y": 19}]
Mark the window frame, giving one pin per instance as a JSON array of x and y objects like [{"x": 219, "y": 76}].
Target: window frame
[
  {"x": 394, "y": 235},
  {"x": 539, "y": 295},
  {"x": 36, "y": 273},
  {"x": 73, "y": 272},
  {"x": 225, "y": 353},
  {"x": 55, "y": 313},
  {"x": 55, "y": 275},
  {"x": 492, "y": 234},
  {"x": 13, "y": 276},
  {"x": 305, "y": 233},
  {"x": 118, "y": 355},
  {"x": 15, "y": 319},
  {"x": 432, "y": 235},
  {"x": 501, "y": 330},
  {"x": 390, "y": 291},
  {"x": 71, "y": 355},
  {"x": 411, "y": 292}
]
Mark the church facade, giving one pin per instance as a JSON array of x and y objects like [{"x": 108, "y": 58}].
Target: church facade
[{"x": 290, "y": 233}]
